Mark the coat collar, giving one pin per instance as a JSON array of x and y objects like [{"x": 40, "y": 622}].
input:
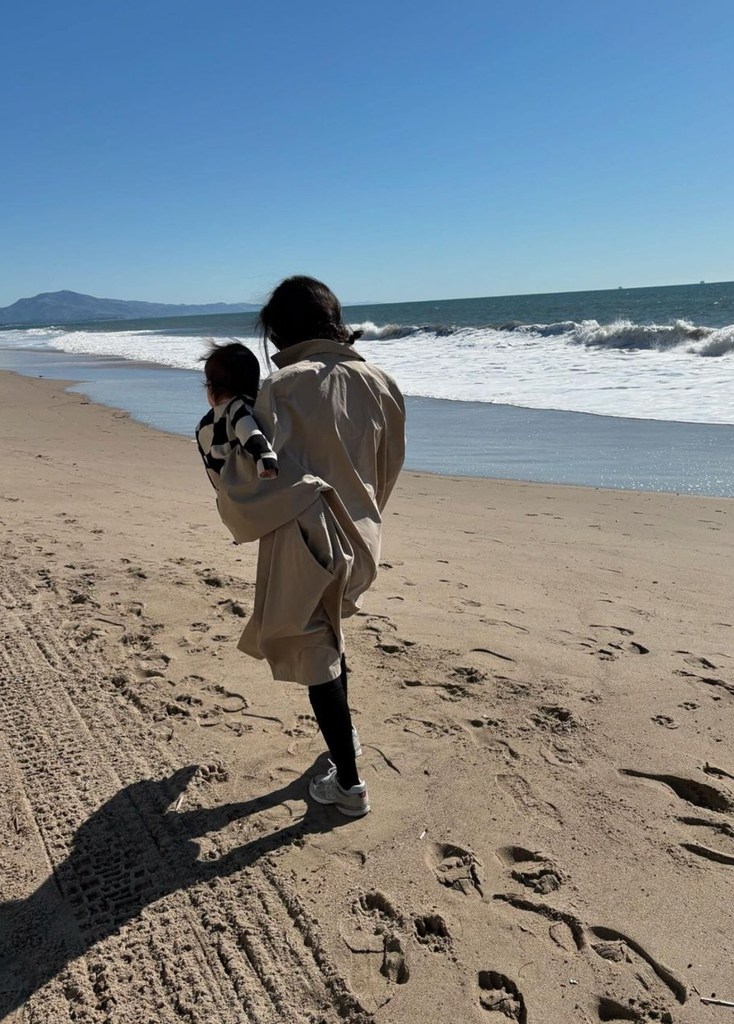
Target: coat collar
[{"x": 315, "y": 347}]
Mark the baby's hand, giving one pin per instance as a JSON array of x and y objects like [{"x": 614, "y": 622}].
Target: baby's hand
[{"x": 268, "y": 474}]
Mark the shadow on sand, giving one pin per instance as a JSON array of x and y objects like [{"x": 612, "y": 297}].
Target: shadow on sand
[{"x": 128, "y": 854}]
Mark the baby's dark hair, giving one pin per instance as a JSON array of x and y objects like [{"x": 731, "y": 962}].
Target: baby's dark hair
[{"x": 231, "y": 370}]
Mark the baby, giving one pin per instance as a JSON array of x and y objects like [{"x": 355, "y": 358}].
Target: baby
[{"x": 232, "y": 382}]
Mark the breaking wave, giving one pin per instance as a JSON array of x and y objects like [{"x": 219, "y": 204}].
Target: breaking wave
[
  {"x": 623, "y": 335},
  {"x": 675, "y": 371}
]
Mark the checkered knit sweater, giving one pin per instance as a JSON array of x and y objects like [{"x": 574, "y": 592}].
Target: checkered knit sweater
[{"x": 224, "y": 428}]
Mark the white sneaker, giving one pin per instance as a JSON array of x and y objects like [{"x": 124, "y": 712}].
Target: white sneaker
[{"x": 325, "y": 789}]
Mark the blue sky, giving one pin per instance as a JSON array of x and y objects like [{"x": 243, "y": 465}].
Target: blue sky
[{"x": 182, "y": 151}]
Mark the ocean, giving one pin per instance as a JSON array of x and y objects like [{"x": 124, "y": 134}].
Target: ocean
[{"x": 624, "y": 388}]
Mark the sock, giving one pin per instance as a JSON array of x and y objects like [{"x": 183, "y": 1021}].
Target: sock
[
  {"x": 345, "y": 674},
  {"x": 329, "y": 703}
]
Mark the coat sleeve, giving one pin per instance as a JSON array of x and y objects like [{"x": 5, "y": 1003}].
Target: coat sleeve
[
  {"x": 391, "y": 448},
  {"x": 251, "y": 507}
]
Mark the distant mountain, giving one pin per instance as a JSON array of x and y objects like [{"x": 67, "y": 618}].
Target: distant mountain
[{"x": 71, "y": 307}]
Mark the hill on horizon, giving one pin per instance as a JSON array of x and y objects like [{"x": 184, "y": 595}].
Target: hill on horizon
[{"x": 65, "y": 307}]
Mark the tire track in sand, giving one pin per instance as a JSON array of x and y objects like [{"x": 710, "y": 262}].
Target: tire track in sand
[{"x": 132, "y": 925}]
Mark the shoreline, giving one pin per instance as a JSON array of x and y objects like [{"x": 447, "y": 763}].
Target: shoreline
[
  {"x": 142, "y": 364},
  {"x": 466, "y": 439},
  {"x": 65, "y": 385}
]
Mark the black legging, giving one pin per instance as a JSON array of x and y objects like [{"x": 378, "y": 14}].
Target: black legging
[{"x": 329, "y": 703}]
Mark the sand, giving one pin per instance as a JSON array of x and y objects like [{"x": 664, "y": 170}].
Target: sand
[{"x": 543, "y": 680}]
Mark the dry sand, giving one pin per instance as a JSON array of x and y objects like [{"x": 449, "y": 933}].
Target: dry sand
[{"x": 543, "y": 679}]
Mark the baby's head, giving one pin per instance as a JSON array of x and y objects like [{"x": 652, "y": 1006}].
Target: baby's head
[{"x": 231, "y": 370}]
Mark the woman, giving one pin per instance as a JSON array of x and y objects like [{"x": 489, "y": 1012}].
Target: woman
[{"x": 338, "y": 426}]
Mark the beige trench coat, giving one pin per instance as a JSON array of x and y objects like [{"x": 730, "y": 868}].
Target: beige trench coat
[{"x": 338, "y": 426}]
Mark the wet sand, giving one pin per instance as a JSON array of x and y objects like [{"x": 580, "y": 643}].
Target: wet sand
[{"x": 477, "y": 439}]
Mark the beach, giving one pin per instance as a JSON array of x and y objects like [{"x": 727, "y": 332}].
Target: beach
[{"x": 543, "y": 682}]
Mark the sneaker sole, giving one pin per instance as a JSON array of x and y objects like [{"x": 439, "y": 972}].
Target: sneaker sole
[{"x": 351, "y": 812}]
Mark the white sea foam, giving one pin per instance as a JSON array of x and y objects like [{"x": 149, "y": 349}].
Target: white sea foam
[
  {"x": 181, "y": 351},
  {"x": 667, "y": 372},
  {"x": 619, "y": 369}
]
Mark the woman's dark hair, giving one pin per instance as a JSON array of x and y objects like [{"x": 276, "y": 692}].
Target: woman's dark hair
[
  {"x": 302, "y": 308},
  {"x": 231, "y": 370}
]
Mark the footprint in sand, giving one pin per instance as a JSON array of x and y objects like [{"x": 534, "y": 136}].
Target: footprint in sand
[
  {"x": 700, "y": 663},
  {"x": 379, "y": 906},
  {"x": 707, "y": 798},
  {"x": 153, "y": 665},
  {"x": 446, "y": 691},
  {"x": 470, "y": 674},
  {"x": 302, "y": 733},
  {"x": 630, "y": 962},
  {"x": 424, "y": 727},
  {"x": 228, "y": 701},
  {"x": 560, "y": 754},
  {"x": 431, "y": 931},
  {"x": 394, "y": 965},
  {"x": 130, "y": 693},
  {"x": 532, "y": 869},
  {"x": 723, "y": 835},
  {"x": 501, "y": 998},
  {"x": 139, "y": 642},
  {"x": 465, "y": 676},
  {"x": 718, "y": 684},
  {"x": 565, "y": 930},
  {"x": 511, "y": 688},
  {"x": 521, "y": 793},
  {"x": 394, "y": 648},
  {"x": 696, "y": 662},
  {"x": 488, "y": 732},
  {"x": 666, "y": 721},
  {"x": 130, "y": 608},
  {"x": 374, "y": 936},
  {"x": 377, "y": 623},
  {"x": 575, "y": 641},
  {"x": 638, "y": 1011},
  {"x": 554, "y": 718},
  {"x": 612, "y": 651},
  {"x": 456, "y": 868},
  {"x": 691, "y": 791},
  {"x": 305, "y": 726},
  {"x": 643, "y": 985},
  {"x": 211, "y": 579},
  {"x": 484, "y": 730},
  {"x": 719, "y": 773},
  {"x": 708, "y": 853}
]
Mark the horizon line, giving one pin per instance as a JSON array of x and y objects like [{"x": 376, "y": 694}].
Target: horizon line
[{"x": 391, "y": 302}]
